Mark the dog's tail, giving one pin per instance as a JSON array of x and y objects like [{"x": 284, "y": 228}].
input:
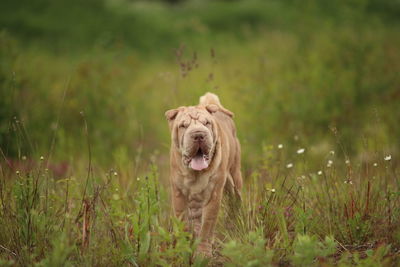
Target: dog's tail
[
  {"x": 213, "y": 99},
  {"x": 210, "y": 98}
]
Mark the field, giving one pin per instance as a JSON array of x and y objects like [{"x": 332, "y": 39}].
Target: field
[{"x": 84, "y": 164}]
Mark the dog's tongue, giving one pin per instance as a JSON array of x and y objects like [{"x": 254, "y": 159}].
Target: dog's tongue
[{"x": 198, "y": 163}]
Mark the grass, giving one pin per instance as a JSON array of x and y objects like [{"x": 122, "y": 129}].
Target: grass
[
  {"x": 345, "y": 213},
  {"x": 84, "y": 143}
]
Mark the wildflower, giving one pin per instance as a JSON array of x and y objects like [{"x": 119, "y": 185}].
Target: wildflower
[
  {"x": 41, "y": 158},
  {"x": 138, "y": 179},
  {"x": 280, "y": 146},
  {"x": 347, "y": 162},
  {"x": 115, "y": 174},
  {"x": 273, "y": 190},
  {"x": 303, "y": 177},
  {"x": 330, "y": 162},
  {"x": 288, "y": 212},
  {"x": 388, "y": 157},
  {"x": 289, "y": 165},
  {"x": 375, "y": 164},
  {"x": 23, "y": 157},
  {"x": 332, "y": 152},
  {"x": 300, "y": 151},
  {"x": 17, "y": 172},
  {"x": 319, "y": 172}
]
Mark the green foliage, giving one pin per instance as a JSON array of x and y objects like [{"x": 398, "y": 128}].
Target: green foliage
[
  {"x": 154, "y": 26},
  {"x": 371, "y": 258},
  {"x": 86, "y": 84},
  {"x": 252, "y": 252},
  {"x": 6, "y": 263},
  {"x": 309, "y": 77},
  {"x": 307, "y": 248},
  {"x": 118, "y": 220},
  {"x": 59, "y": 253},
  {"x": 176, "y": 246},
  {"x": 7, "y": 83}
]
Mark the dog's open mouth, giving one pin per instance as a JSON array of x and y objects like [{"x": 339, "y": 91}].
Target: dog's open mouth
[{"x": 199, "y": 161}]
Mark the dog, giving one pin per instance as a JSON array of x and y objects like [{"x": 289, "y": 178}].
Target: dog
[{"x": 204, "y": 160}]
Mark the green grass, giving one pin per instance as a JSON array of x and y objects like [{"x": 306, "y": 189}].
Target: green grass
[
  {"x": 89, "y": 97},
  {"x": 345, "y": 213}
]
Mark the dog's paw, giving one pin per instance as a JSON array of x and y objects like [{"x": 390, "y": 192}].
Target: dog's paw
[{"x": 204, "y": 249}]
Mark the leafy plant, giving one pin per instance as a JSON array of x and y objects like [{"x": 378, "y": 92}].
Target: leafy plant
[
  {"x": 307, "y": 249},
  {"x": 252, "y": 253}
]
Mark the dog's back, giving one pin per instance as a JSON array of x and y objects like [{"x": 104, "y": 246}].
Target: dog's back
[{"x": 234, "y": 182}]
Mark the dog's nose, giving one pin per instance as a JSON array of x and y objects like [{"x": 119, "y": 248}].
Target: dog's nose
[{"x": 198, "y": 137}]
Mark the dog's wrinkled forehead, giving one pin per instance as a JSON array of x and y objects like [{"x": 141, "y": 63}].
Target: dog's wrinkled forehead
[{"x": 192, "y": 114}]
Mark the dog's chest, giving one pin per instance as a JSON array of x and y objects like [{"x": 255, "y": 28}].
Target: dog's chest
[{"x": 197, "y": 187}]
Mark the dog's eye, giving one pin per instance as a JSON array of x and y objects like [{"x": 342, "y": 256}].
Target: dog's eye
[
  {"x": 208, "y": 123},
  {"x": 182, "y": 126}
]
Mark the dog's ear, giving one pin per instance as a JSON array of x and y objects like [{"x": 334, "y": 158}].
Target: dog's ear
[
  {"x": 214, "y": 108},
  {"x": 171, "y": 114}
]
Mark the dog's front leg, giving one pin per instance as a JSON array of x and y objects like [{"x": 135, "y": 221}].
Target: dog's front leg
[
  {"x": 209, "y": 219},
  {"x": 195, "y": 212},
  {"x": 179, "y": 202}
]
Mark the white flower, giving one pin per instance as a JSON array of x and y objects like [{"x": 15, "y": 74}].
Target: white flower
[
  {"x": 23, "y": 157},
  {"x": 332, "y": 152},
  {"x": 319, "y": 172},
  {"x": 280, "y": 146},
  {"x": 138, "y": 179},
  {"x": 17, "y": 172},
  {"x": 115, "y": 174},
  {"x": 388, "y": 157},
  {"x": 273, "y": 190},
  {"x": 300, "y": 151},
  {"x": 375, "y": 164},
  {"x": 347, "y": 161},
  {"x": 41, "y": 158},
  {"x": 289, "y": 165},
  {"x": 330, "y": 162}
]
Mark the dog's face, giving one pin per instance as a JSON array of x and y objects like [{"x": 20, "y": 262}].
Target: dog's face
[{"x": 194, "y": 134}]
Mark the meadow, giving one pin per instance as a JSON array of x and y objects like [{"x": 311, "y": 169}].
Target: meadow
[{"x": 314, "y": 86}]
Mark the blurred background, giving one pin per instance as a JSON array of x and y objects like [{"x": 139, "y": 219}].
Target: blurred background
[{"x": 315, "y": 74}]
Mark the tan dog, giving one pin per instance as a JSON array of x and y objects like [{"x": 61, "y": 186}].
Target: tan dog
[{"x": 205, "y": 158}]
